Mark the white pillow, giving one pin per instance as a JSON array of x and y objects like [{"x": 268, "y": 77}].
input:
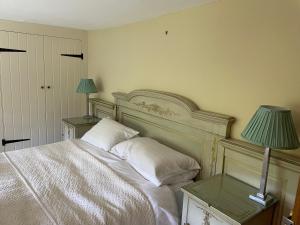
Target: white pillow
[
  {"x": 156, "y": 162},
  {"x": 107, "y": 133},
  {"x": 183, "y": 177}
]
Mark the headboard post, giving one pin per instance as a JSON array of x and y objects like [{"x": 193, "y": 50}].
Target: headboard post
[{"x": 102, "y": 108}]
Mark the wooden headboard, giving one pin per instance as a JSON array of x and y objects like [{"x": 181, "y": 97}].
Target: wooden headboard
[
  {"x": 174, "y": 121},
  {"x": 178, "y": 122}
]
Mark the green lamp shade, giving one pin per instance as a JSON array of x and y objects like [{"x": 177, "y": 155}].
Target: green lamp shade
[
  {"x": 86, "y": 86},
  {"x": 272, "y": 127}
]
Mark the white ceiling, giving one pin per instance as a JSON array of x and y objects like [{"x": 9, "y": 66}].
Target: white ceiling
[{"x": 89, "y": 14}]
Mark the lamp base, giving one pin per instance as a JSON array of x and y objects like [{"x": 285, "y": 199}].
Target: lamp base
[{"x": 267, "y": 200}]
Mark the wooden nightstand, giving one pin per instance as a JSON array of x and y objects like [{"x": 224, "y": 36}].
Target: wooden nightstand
[
  {"x": 76, "y": 127},
  {"x": 223, "y": 200}
]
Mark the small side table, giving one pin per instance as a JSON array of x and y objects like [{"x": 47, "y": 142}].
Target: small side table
[
  {"x": 76, "y": 127},
  {"x": 223, "y": 200}
]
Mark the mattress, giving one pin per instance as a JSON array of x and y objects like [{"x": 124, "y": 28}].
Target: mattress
[{"x": 63, "y": 183}]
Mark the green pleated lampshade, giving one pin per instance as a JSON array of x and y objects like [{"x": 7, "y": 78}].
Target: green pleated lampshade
[
  {"x": 86, "y": 86},
  {"x": 273, "y": 127}
]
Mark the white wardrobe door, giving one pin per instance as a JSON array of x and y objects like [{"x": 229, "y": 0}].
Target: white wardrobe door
[
  {"x": 22, "y": 99},
  {"x": 62, "y": 75}
]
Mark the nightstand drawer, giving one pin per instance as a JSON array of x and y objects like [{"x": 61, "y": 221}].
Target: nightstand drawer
[
  {"x": 196, "y": 213},
  {"x": 68, "y": 132}
]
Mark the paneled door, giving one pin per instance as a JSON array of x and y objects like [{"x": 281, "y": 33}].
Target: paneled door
[
  {"x": 37, "y": 87},
  {"x": 22, "y": 97},
  {"x": 62, "y": 75}
]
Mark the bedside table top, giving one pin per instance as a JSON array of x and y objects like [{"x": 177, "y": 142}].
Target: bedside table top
[
  {"x": 79, "y": 121},
  {"x": 228, "y": 195}
]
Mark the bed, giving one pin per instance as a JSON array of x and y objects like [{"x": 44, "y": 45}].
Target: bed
[{"x": 74, "y": 182}]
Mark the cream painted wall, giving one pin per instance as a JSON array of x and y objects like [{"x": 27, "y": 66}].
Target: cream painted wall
[{"x": 228, "y": 57}]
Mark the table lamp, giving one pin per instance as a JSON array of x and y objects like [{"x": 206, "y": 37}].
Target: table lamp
[
  {"x": 86, "y": 86},
  {"x": 271, "y": 127}
]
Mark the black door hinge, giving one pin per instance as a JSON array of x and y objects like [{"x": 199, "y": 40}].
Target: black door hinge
[
  {"x": 11, "y": 50},
  {"x": 4, "y": 142},
  {"x": 74, "y": 55}
]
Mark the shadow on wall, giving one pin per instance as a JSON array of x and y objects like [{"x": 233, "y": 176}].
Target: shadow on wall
[
  {"x": 296, "y": 116},
  {"x": 99, "y": 85}
]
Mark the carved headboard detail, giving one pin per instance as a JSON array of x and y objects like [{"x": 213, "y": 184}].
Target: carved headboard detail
[{"x": 177, "y": 122}]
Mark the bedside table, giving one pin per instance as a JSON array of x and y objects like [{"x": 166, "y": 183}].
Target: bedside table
[
  {"x": 223, "y": 200},
  {"x": 76, "y": 127}
]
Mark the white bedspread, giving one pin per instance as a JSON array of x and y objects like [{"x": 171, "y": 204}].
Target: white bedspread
[
  {"x": 62, "y": 183},
  {"x": 163, "y": 198}
]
